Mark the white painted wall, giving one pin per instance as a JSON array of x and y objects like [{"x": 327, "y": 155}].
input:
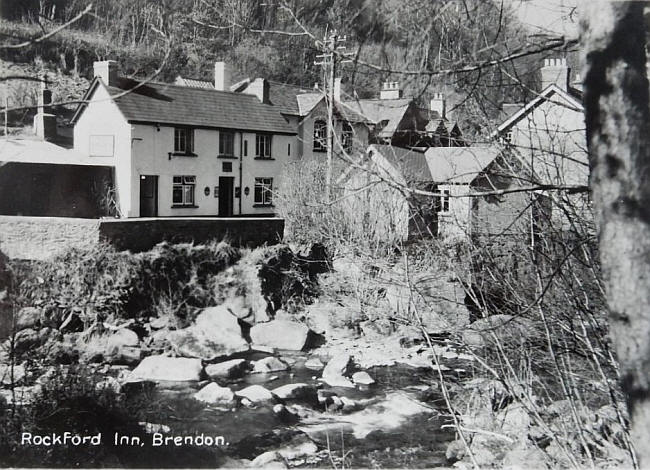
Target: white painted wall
[
  {"x": 151, "y": 151},
  {"x": 454, "y": 224},
  {"x": 102, "y": 117}
]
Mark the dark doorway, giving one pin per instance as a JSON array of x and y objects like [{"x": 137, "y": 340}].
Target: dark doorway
[
  {"x": 226, "y": 187},
  {"x": 148, "y": 196}
]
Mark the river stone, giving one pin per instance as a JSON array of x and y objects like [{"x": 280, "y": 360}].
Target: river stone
[
  {"x": 164, "y": 368},
  {"x": 269, "y": 364},
  {"x": 339, "y": 364},
  {"x": 270, "y": 459},
  {"x": 362, "y": 378},
  {"x": 281, "y": 334},
  {"x": 314, "y": 364},
  {"x": 297, "y": 391},
  {"x": 215, "y": 394},
  {"x": 5, "y": 374},
  {"x": 255, "y": 393},
  {"x": 28, "y": 317},
  {"x": 122, "y": 337},
  {"x": 338, "y": 381},
  {"x": 299, "y": 446},
  {"x": 227, "y": 369},
  {"x": 216, "y": 333}
]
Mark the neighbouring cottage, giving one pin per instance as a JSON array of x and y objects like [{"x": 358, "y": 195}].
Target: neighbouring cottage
[
  {"x": 451, "y": 172},
  {"x": 546, "y": 145},
  {"x": 183, "y": 151},
  {"x": 375, "y": 201}
]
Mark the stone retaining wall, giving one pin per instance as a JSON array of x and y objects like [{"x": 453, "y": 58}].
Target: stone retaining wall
[{"x": 38, "y": 238}]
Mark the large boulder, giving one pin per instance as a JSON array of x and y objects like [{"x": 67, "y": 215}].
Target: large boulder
[
  {"x": 339, "y": 364},
  {"x": 122, "y": 347},
  {"x": 256, "y": 394},
  {"x": 297, "y": 391},
  {"x": 269, "y": 364},
  {"x": 11, "y": 377},
  {"x": 215, "y": 333},
  {"x": 215, "y": 394},
  {"x": 163, "y": 368},
  {"x": 227, "y": 369},
  {"x": 281, "y": 334}
]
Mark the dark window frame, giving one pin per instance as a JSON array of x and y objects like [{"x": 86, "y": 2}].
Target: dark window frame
[
  {"x": 186, "y": 185},
  {"x": 263, "y": 192},
  {"x": 263, "y": 146},
  {"x": 183, "y": 141}
]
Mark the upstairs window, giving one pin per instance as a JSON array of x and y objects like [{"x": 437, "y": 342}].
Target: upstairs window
[
  {"x": 320, "y": 136},
  {"x": 442, "y": 204},
  {"x": 347, "y": 135},
  {"x": 263, "y": 145},
  {"x": 226, "y": 144},
  {"x": 183, "y": 140},
  {"x": 263, "y": 191},
  {"x": 183, "y": 190}
]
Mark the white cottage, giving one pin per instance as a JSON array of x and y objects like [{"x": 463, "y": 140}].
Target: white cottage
[{"x": 184, "y": 151}]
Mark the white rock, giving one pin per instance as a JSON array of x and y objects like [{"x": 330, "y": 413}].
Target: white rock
[
  {"x": 164, "y": 368},
  {"x": 227, "y": 369},
  {"x": 362, "y": 378},
  {"x": 338, "y": 381},
  {"x": 255, "y": 393},
  {"x": 270, "y": 459},
  {"x": 280, "y": 334},
  {"x": 295, "y": 391},
  {"x": 6, "y": 377},
  {"x": 269, "y": 364},
  {"x": 314, "y": 364},
  {"x": 338, "y": 365},
  {"x": 215, "y": 394}
]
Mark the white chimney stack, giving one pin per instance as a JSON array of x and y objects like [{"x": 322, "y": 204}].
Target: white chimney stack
[
  {"x": 221, "y": 76},
  {"x": 44, "y": 121},
  {"x": 390, "y": 91},
  {"x": 555, "y": 72},
  {"x": 439, "y": 105},
  {"x": 107, "y": 71},
  {"x": 260, "y": 88}
]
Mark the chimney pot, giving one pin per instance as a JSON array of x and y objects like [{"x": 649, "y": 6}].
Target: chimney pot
[
  {"x": 390, "y": 91},
  {"x": 221, "y": 76},
  {"x": 107, "y": 71},
  {"x": 555, "y": 72}
]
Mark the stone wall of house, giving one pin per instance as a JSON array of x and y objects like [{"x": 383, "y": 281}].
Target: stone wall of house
[
  {"x": 39, "y": 238},
  {"x": 143, "y": 234}
]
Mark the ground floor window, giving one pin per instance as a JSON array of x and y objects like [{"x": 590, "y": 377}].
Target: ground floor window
[
  {"x": 183, "y": 190},
  {"x": 442, "y": 201},
  {"x": 263, "y": 191}
]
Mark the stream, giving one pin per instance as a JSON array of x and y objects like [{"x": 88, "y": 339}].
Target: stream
[{"x": 396, "y": 422}]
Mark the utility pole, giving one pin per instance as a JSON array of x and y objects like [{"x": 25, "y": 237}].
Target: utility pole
[{"x": 332, "y": 55}]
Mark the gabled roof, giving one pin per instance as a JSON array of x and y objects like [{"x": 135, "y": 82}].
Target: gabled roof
[
  {"x": 164, "y": 103},
  {"x": 412, "y": 164},
  {"x": 570, "y": 96},
  {"x": 458, "y": 165},
  {"x": 307, "y": 102},
  {"x": 386, "y": 114}
]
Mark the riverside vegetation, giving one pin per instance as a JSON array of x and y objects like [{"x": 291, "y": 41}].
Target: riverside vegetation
[{"x": 324, "y": 356}]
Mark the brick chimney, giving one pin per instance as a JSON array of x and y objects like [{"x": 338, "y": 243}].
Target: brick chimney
[
  {"x": 260, "y": 88},
  {"x": 45, "y": 121},
  {"x": 439, "y": 104},
  {"x": 555, "y": 71},
  {"x": 107, "y": 71},
  {"x": 390, "y": 91},
  {"x": 221, "y": 76}
]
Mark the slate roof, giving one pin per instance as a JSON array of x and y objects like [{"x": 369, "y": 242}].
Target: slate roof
[
  {"x": 200, "y": 107},
  {"x": 412, "y": 164},
  {"x": 458, "y": 165},
  {"x": 387, "y": 114},
  {"x": 35, "y": 150}
]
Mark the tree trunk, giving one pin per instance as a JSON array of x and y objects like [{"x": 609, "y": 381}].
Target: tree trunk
[{"x": 617, "y": 117}]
